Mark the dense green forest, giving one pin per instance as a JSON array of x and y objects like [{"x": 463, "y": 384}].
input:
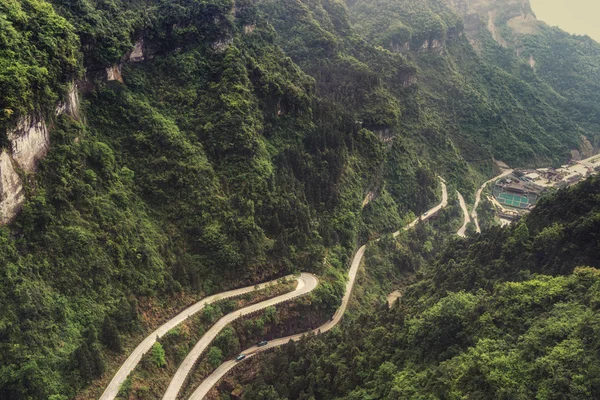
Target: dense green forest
[
  {"x": 240, "y": 149},
  {"x": 512, "y": 314},
  {"x": 39, "y": 51}
]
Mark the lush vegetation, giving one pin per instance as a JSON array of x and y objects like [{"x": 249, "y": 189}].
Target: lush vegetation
[
  {"x": 39, "y": 53},
  {"x": 512, "y": 314},
  {"x": 239, "y": 150},
  {"x": 211, "y": 168}
]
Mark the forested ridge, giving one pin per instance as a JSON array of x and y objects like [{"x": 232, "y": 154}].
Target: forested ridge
[{"x": 240, "y": 149}]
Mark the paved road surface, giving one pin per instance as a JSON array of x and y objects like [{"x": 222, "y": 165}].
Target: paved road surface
[
  {"x": 463, "y": 205},
  {"x": 209, "y": 382},
  {"x": 478, "y": 197},
  {"x": 212, "y": 380},
  {"x": 306, "y": 284},
  {"x": 112, "y": 389}
]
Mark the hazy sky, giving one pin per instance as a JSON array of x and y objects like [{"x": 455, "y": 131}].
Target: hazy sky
[{"x": 573, "y": 16}]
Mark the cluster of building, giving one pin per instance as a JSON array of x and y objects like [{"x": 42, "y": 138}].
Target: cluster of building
[{"x": 517, "y": 193}]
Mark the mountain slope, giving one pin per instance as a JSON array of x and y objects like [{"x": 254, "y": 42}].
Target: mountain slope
[
  {"x": 508, "y": 34},
  {"x": 176, "y": 148},
  {"x": 499, "y": 316},
  {"x": 206, "y": 168}
]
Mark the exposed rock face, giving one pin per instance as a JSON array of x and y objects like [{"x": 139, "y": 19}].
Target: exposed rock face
[
  {"x": 586, "y": 147},
  {"x": 222, "y": 45},
  {"x": 70, "y": 105},
  {"x": 482, "y": 14},
  {"x": 400, "y": 47},
  {"x": 436, "y": 45},
  {"x": 29, "y": 142},
  {"x": 532, "y": 62},
  {"x": 114, "y": 73},
  {"x": 137, "y": 54},
  {"x": 412, "y": 80},
  {"x": 491, "y": 25},
  {"x": 525, "y": 24},
  {"x": 409, "y": 79},
  {"x": 11, "y": 190},
  {"x": 385, "y": 135}
]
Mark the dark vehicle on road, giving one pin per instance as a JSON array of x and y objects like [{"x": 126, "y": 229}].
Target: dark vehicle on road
[
  {"x": 240, "y": 357},
  {"x": 263, "y": 343}
]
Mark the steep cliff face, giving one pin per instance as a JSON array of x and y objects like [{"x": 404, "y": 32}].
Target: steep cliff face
[
  {"x": 493, "y": 15},
  {"x": 137, "y": 54},
  {"x": 11, "y": 189},
  {"x": 113, "y": 73},
  {"x": 29, "y": 142},
  {"x": 404, "y": 26},
  {"x": 70, "y": 104},
  {"x": 435, "y": 45}
]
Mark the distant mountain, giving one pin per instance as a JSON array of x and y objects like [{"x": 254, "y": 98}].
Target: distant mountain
[{"x": 570, "y": 64}]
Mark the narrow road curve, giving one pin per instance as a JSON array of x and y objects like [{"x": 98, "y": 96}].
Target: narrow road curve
[
  {"x": 128, "y": 366},
  {"x": 478, "y": 197},
  {"x": 463, "y": 205},
  {"x": 209, "y": 382},
  {"x": 429, "y": 213},
  {"x": 224, "y": 368},
  {"x": 306, "y": 284}
]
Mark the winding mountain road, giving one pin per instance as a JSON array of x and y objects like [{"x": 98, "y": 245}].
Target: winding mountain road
[
  {"x": 216, "y": 376},
  {"x": 463, "y": 205},
  {"x": 306, "y": 284},
  {"x": 128, "y": 366},
  {"x": 478, "y": 197},
  {"x": 224, "y": 368},
  {"x": 429, "y": 213}
]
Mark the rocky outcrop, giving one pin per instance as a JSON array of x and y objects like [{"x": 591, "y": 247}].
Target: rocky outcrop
[
  {"x": 485, "y": 14},
  {"x": 11, "y": 190},
  {"x": 524, "y": 24},
  {"x": 409, "y": 78},
  {"x": 434, "y": 45},
  {"x": 140, "y": 52},
  {"x": 29, "y": 142},
  {"x": 221, "y": 45},
  {"x": 385, "y": 135},
  {"x": 491, "y": 25},
  {"x": 70, "y": 105},
  {"x": 137, "y": 53},
  {"x": 400, "y": 47},
  {"x": 586, "y": 147},
  {"x": 113, "y": 73},
  {"x": 532, "y": 62}
]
